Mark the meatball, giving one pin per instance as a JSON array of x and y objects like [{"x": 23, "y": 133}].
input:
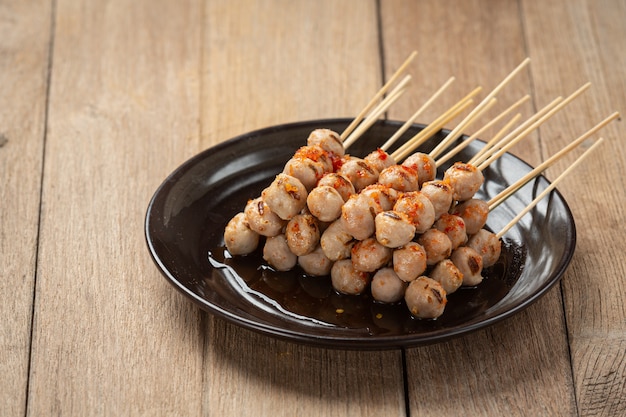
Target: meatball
[
  {"x": 386, "y": 287},
  {"x": 454, "y": 227},
  {"x": 436, "y": 244},
  {"x": 303, "y": 234},
  {"x": 316, "y": 154},
  {"x": 487, "y": 245},
  {"x": 340, "y": 183},
  {"x": 384, "y": 197},
  {"x": 315, "y": 263},
  {"x": 399, "y": 177},
  {"x": 347, "y": 280},
  {"x": 307, "y": 171},
  {"x": 238, "y": 237},
  {"x": 327, "y": 140},
  {"x": 419, "y": 209},
  {"x": 425, "y": 298},
  {"x": 474, "y": 213},
  {"x": 380, "y": 159},
  {"x": 324, "y": 202},
  {"x": 277, "y": 253},
  {"x": 448, "y": 275},
  {"x": 286, "y": 196},
  {"x": 470, "y": 263},
  {"x": 336, "y": 242},
  {"x": 465, "y": 180},
  {"x": 261, "y": 219},
  {"x": 358, "y": 214},
  {"x": 440, "y": 195},
  {"x": 393, "y": 229},
  {"x": 368, "y": 255},
  {"x": 424, "y": 165},
  {"x": 359, "y": 172},
  {"x": 409, "y": 262}
]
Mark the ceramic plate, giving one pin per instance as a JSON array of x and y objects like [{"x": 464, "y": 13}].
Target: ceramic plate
[{"x": 184, "y": 231}]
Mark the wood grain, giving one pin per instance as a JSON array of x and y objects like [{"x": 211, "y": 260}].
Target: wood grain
[
  {"x": 574, "y": 42},
  {"x": 24, "y": 49},
  {"x": 527, "y": 356},
  {"x": 110, "y": 338},
  {"x": 273, "y": 56}
]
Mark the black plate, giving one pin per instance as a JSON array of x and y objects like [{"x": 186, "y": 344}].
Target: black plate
[{"x": 184, "y": 231}]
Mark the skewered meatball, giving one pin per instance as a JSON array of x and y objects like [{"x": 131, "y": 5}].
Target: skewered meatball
[
  {"x": 424, "y": 165},
  {"x": 409, "y": 262},
  {"x": 440, "y": 195},
  {"x": 384, "y": 197},
  {"x": 474, "y": 213},
  {"x": 436, "y": 244},
  {"x": 487, "y": 245},
  {"x": 327, "y": 140},
  {"x": 277, "y": 253},
  {"x": 316, "y": 154},
  {"x": 340, "y": 183},
  {"x": 358, "y": 215},
  {"x": 368, "y": 255},
  {"x": 286, "y": 196},
  {"x": 324, "y": 202},
  {"x": 307, "y": 171},
  {"x": 470, "y": 263},
  {"x": 393, "y": 229},
  {"x": 359, "y": 172},
  {"x": 336, "y": 242},
  {"x": 261, "y": 219},
  {"x": 315, "y": 263},
  {"x": 238, "y": 237},
  {"x": 465, "y": 180},
  {"x": 425, "y": 298},
  {"x": 399, "y": 177},
  {"x": 380, "y": 159},
  {"x": 419, "y": 209},
  {"x": 448, "y": 275},
  {"x": 303, "y": 234},
  {"x": 346, "y": 279},
  {"x": 454, "y": 227},
  {"x": 386, "y": 287}
]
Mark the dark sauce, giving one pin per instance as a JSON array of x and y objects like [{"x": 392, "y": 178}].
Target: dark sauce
[{"x": 305, "y": 297}]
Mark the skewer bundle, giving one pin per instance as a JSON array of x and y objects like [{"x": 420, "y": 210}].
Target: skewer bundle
[{"x": 390, "y": 227}]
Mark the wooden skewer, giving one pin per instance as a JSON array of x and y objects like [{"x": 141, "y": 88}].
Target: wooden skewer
[
  {"x": 471, "y": 116},
  {"x": 480, "y": 131},
  {"x": 492, "y": 145},
  {"x": 415, "y": 115},
  {"x": 506, "y": 193},
  {"x": 532, "y": 127},
  {"x": 378, "y": 111},
  {"x": 548, "y": 189},
  {"x": 451, "y": 138},
  {"x": 377, "y": 96},
  {"x": 436, "y": 125}
]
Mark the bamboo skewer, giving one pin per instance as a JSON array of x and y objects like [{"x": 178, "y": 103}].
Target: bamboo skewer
[
  {"x": 549, "y": 189},
  {"x": 487, "y": 126},
  {"x": 532, "y": 127},
  {"x": 498, "y": 199},
  {"x": 377, "y": 96},
  {"x": 436, "y": 125},
  {"x": 415, "y": 115},
  {"x": 471, "y": 116},
  {"x": 393, "y": 96}
]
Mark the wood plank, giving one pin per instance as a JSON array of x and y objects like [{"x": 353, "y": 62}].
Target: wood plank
[
  {"x": 477, "y": 374},
  {"x": 579, "y": 41},
  {"x": 110, "y": 337},
  {"x": 24, "y": 49},
  {"x": 290, "y": 61}
]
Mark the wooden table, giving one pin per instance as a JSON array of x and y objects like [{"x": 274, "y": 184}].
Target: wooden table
[{"x": 101, "y": 100}]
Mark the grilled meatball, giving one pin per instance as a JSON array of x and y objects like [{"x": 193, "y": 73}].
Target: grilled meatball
[
  {"x": 324, "y": 202},
  {"x": 436, "y": 244},
  {"x": 360, "y": 172},
  {"x": 261, "y": 219},
  {"x": 286, "y": 196},
  {"x": 380, "y": 159},
  {"x": 470, "y": 263},
  {"x": 358, "y": 215},
  {"x": 440, "y": 195},
  {"x": 336, "y": 242},
  {"x": 419, "y": 209},
  {"x": 315, "y": 263},
  {"x": 393, "y": 229},
  {"x": 454, "y": 227},
  {"x": 307, "y": 171},
  {"x": 425, "y": 298},
  {"x": 387, "y": 287},
  {"x": 277, "y": 253},
  {"x": 424, "y": 165},
  {"x": 487, "y": 245},
  {"x": 465, "y": 180},
  {"x": 448, "y": 275},
  {"x": 340, "y": 183},
  {"x": 474, "y": 213},
  {"x": 238, "y": 237},
  {"x": 303, "y": 234},
  {"x": 368, "y": 255},
  {"x": 327, "y": 140},
  {"x": 399, "y": 177},
  {"x": 409, "y": 261},
  {"x": 347, "y": 280}
]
